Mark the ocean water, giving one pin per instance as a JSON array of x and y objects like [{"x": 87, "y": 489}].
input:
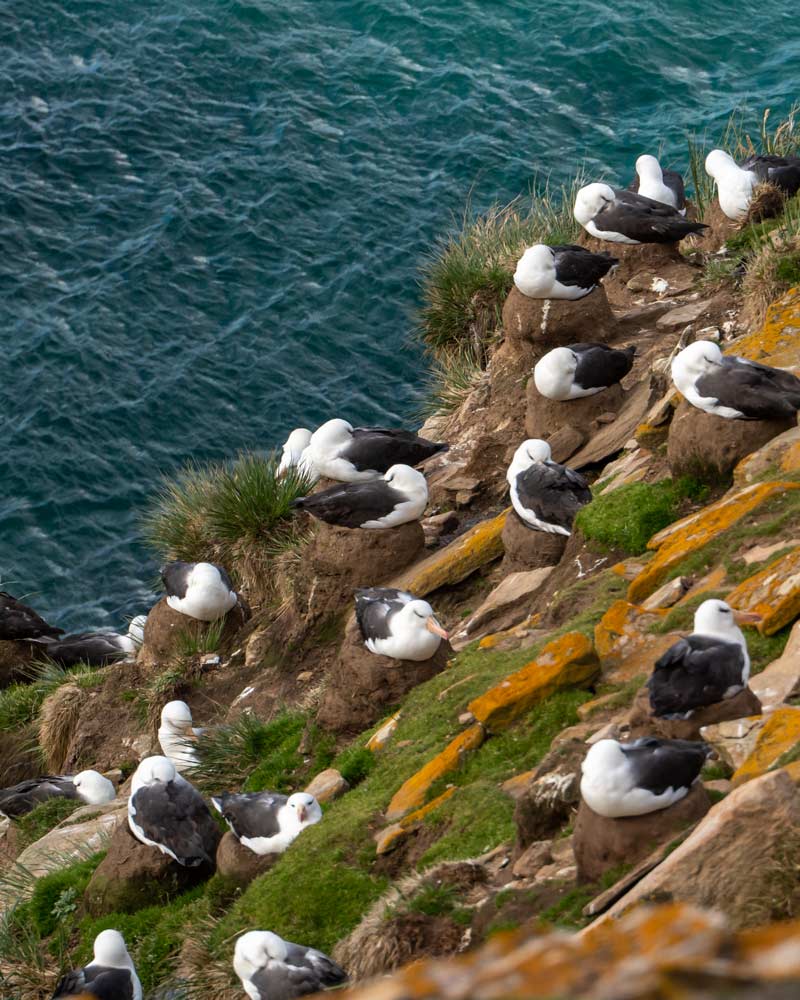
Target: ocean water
[{"x": 212, "y": 214}]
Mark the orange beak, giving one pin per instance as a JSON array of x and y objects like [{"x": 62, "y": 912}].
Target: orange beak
[
  {"x": 301, "y": 814},
  {"x": 747, "y": 617},
  {"x": 433, "y": 626}
]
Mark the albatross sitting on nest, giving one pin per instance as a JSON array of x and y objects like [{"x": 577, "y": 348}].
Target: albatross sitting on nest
[
  {"x": 656, "y": 184},
  {"x": 97, "y": 648},
  {"x": 625, "y": 217},
  {"x": 89, "y": 786},
  {"x": 18, "y": 622},
  {"x": 581, "y": 370},
  {"x": 355, "y": 454},
  {"x": 266, "y": 822},
  {"x": 111, "y": 974},
  {"x": 736, "y": 184},
  {"x": 397, "y": 624},
  {"x": 199, "y": 590},
  {"x": 175, "y": 734},
  {"x": 631, "y": 779},
  {"x": 561, "y": 272},
  {"x": 546, "y": 495},
  {"x": 734, "y": 388},
  {"x": 398, "y": 497},
  {"x": 708, "y": 666},
  {"x": 273, "y": 969}
]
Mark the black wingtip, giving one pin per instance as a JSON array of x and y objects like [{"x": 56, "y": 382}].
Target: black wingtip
[
  {"x": 298, "y": 503},
  {"x": 442, "y": 446}
]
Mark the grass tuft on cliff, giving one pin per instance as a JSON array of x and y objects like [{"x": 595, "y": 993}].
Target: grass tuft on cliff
[{"x": 236, "y": 514}]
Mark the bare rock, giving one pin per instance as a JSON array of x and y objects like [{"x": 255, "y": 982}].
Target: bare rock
[
  {"x": 740, "y": 859},
  {"x": 534, "y": 857},
  {"x": 133, "y": 875},
  {"x": 165, "y": 626},
  {"x": 733, "y": 741},
  {"x": 641, "y": 721},
  {"x": 683, "y": 315},
  {"x": 83, "y": 833},
  {"x": 657, "y": 268},
  {"x": 548, "y": 323},
  {"x": 327, "y": 785},
  {"x": 780, "y": 680},
  {"x": 601, "y": 843},
  {"x": 508, "y": 603},
  {"x": 709, "y": 447},
  {"x": 238, "y": 863},
  {"x": 528, "y": 549},
  {"x": 360, "y": 684}
]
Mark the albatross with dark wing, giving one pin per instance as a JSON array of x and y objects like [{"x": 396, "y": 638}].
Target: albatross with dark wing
[
  {"x": 546, "y": 495},
  {"x": 656, "y": 184},
  {"x": 266, "y": 822},
  {"x": 110, "y": 975},
  {"x": 561, "y": 272},
  {"x": 200, "y": 590},
  {"x": 355, "y": 454},
  {"x": 273, "y": 969},
  {"x": 708, "y": 666},
  {"x": 631, "y": 779},
  {"x": 397, "y": 624},
  {"x": 734, "y": 388},
  {"x": 97, "y": 648},
  {"x": 621, "y": 216},
  {"x": 176, "y": 733},
  {"x": 736, "y": 184},
  {"x": 581, "y": 370},
  {"x": 18, "y": 622},
  {"x": 396, "y": 498},
  {"x": 168, "y": 813},
  {"x": 88, "y": 786}
]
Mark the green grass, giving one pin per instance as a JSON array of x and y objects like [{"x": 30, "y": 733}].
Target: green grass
[
  {"x": 355, "y": 764},
  {"x": 238, "y": 514},
  {"x": 20, "y": 702},
  {"x": 452, "y": 376},
  {"x": 628, "y": 517},
  {"x": 44, "y": 818},
  {"x": 191, "y": 642},
  {"x": 53, "y": 895}
]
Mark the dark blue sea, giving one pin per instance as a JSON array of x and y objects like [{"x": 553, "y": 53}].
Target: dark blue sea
[{"x": 212, "y": 215}]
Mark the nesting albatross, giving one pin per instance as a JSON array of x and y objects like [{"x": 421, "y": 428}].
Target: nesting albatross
[
  {"x": 168, "y": 813},
  {"x": 266, "y": 822},
  {"x": 111, "y": 974},
  {"x": 19, "y": 622},
  {"x": 96, "y": 648},
  {"x": 561, "y": 272},
  {"x": 295, "y": 454},
  {"x": 546, "y": 495},
  {"x": 737, "y": 183},
  {"x": 631, "y": 779},
  {"x": 665, "y": 186},
  {"x": 88, "y": 786},
  {"x": 200, "y": 590},
  {"x": 175, "y": 733},
  {"x": 273, "y": 969},
  {"x": 734, "y": 388},
  {"x": 581, "y": 370},
  {"x": 397, "y": 624},
  {"x": 356, "y": 454},
  {"x": 708, "y": 666},
  {"x": 621, "y": 216},
  {"x": 396, "y": 498}
]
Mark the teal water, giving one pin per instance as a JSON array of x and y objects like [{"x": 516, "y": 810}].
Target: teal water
[{"x": 212, "y": 213}]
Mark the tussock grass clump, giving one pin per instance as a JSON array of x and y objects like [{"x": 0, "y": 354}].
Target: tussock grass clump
[
  {"x": 191, "y": 642},
  {"x": 238, "y": 514},
  {"x": 20, "y": 702},
  {"x": 58, "y": 718},
  {"x": 628, "y": 517},
  {"x": 451, "y": 378}
]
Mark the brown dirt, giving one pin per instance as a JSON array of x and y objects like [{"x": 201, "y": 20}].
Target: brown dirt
[
  {"x": 164, "y": 627},
  {"x": 527, "y": 548},
  {"x": 641, "y": 722}
]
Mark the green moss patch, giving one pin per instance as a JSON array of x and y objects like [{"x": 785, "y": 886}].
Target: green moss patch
[{"x": 44, "y": 818}]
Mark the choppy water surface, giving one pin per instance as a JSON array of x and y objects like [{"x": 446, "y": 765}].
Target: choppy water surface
[{"x": 213, "y": 213}]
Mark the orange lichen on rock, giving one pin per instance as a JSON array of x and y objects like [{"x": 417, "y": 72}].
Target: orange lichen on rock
[
  {"x": 456, "y": 561},
  {"x": 625, "y": 647},
  {"x": 782, "y": 454},
  {"x": 774, "y": 592},
  {"x": 777, "y": 342},
  {"x": 694, "y": 532},
  {"x": 389, "y": 838},
  {"x": 411, "y": 794},
  {"x": 779, "y": 734},
  {"x": 564, "y": 662}
]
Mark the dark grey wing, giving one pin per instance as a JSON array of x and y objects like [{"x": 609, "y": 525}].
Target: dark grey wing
[
  {"x": 22, "y": 798},
  {"x": 782, "y": 171},
  {"x": 71, "y": 984},
  {"x": 576, "y": 266},
  {"x": 694, "y": 672},
  {"x": 600, "y": 366},
  {"x": 661, "y": 764},
  {"x": 175, "y": 577},
  {"x": 109, "y": 984},
  {"x": 375, "y": 608},
  {"x": 95, "y": 648},
  {"x": 553, "y": 492},
  {"x": 379, "y": 448},
  {"x": 674, "y": 181},
  {"x": 327, "y": 972},
  {"x": 251, "y": 814},
  {"x": 351, "y": 504},
  {"x": 643, "y": 219},
  {"x": 19, "y": 622},
  {"x": 175, "y": 815},
  {"x": 279, "y": 981},
  {"x": 757, "y": 391}
]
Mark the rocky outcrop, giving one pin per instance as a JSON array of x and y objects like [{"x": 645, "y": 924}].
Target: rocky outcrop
[
  {"x": 549, "y": 796},
  {"x": 583, "y": 417},
  {"x": 601, "y": 844},
  {"x": 779, "y": 735},
  {"x": 774, "y": 592},
  {"x": 624, "y": 644},
  {"x": 780, "y": 680},
  {"x": 642, "y": 722},
  {"x": 85, "y": 832}
]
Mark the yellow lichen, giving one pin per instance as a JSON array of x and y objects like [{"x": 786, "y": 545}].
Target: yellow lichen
[
  {"x": 774, "y": 592},
  {"x": 389, "y": 838},
  {"x": 779, "y": 734}
]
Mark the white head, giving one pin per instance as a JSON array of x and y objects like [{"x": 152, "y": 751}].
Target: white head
[
  {"x": 407, "y": 480},
  {"x": 590, "y": 200},
  {"x": 529, "y": 452},
  {"x": 419, "y": 615},
  {"x": 553, "y": 373},
  {"x": 254, "y": 950},
  {"x": 305, "y": 807},
  {"x": 293, "y": 448},
  {"x": 153, "y": 770},
  {"x": 205, "y": 574},
  {"x": 648, "y": 168},
  {"x": 697, "y": 359},
  {"x": 136, "y": 629},
  {"x": 719, "y": 163},
  {"x": 331, "y": 434},
  {"x": 176, "y": 716},
  {"x": 536, "y": 270},
  {"x": 716, "y": 618},
  {"x": 110, "y": 950},
  {"x": 94, "y": 788},
  {"x": 602, "y": 757}
]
